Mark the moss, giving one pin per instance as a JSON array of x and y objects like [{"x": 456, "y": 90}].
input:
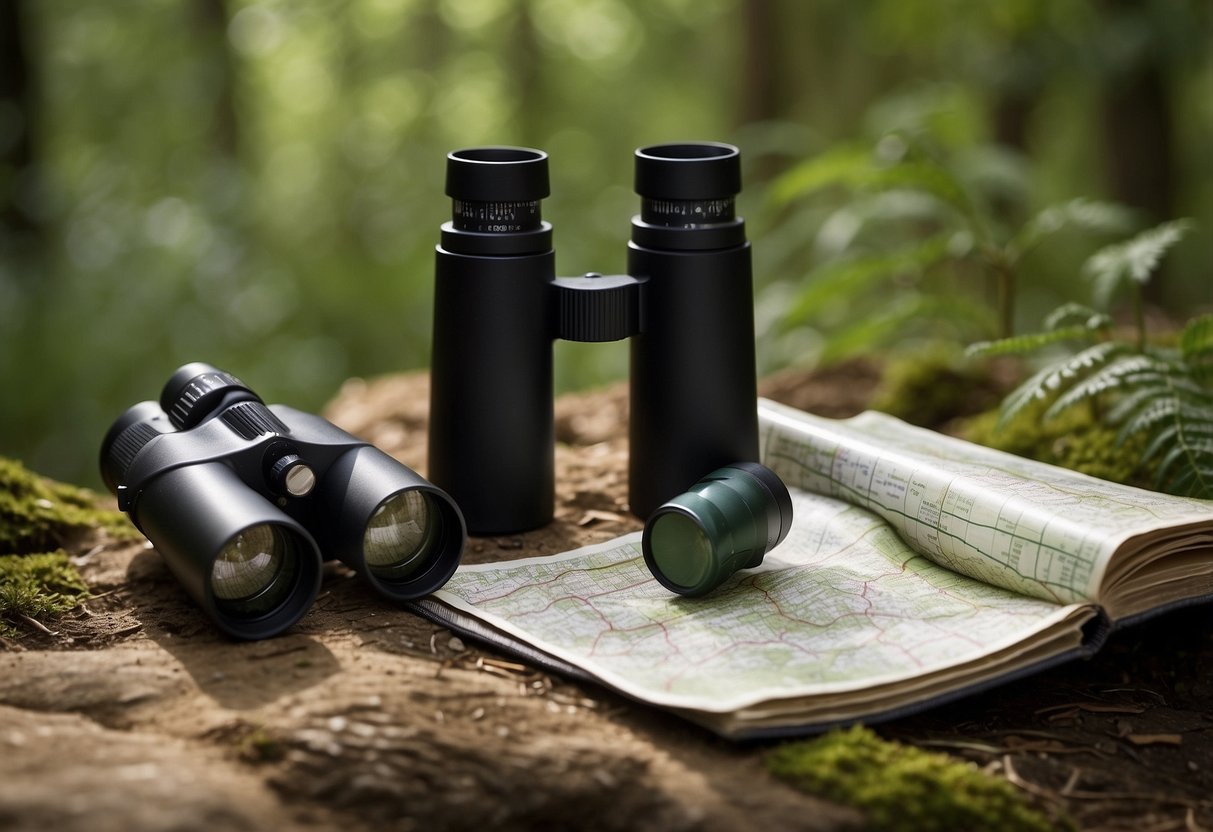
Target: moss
[
  {"x": 37, "y": 586},
  {"x": 1075, "y": 439},
  {"x": 898, "y": 787},
  {"x": 934, "y": 384},
  {"x": 38, "y": 515},
  {"x": 261, "y": 746}
]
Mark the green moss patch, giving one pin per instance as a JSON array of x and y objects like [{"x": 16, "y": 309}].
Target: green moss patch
[
  {"x": 37, "y": 587},
  {"x": 39, "y": 515},
  {"x": 899, "y": 787},
  {"x": 1074, "y": 439},
  {"x": 935, "y": 384}
]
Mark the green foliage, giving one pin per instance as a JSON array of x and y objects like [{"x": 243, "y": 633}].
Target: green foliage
[
  {"x": 37, "y": 586},
  {"x": 898, "y": 787},
  {"x": 925, "y": 240},
  {"x": 37, "y": 514},
  {"x": 1133, "y": 261},
  {"x": 1157, "y": 399}
]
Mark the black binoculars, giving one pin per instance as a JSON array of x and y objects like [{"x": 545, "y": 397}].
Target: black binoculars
[
  {"x": 686, "y": 302},
  {"x": 687, "y": 305},
  {"x": 244, "y": 501}
]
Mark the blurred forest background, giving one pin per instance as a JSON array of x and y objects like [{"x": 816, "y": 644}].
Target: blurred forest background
[{"x": 258, "y": 184}]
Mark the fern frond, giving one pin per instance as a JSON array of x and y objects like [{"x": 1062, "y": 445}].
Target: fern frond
[
  {"x": 1071, "y": 314},
  {"x": 1169, "y": 433},
  {"x": 1124, "y": 371},
  {"x": 1050, "y": 379},
  {"x": 1133, "y": 260},
  {"x": 1195, "y": 477},
  {"x": 1127, "y": 406},
  {"x": 1028, "y": 342},
  {"x": 1084, "y": 214}
]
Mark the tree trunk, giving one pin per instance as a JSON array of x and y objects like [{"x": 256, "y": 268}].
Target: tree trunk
[{"x": 20, "y": 229}]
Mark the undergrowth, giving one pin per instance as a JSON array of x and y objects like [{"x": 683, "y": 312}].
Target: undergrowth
[
  {"x": 1157, "y": 397},
  {"x": 899, "y": 787},
  {"x": 39, "y": 515},
  {"x": 36, "y": 587},
  {"x": 37, "y": 518}
]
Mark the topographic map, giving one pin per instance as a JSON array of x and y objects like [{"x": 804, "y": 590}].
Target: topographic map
[
  {"x": 1033, "y": 528},
  {"x": 910, "y": 554},
  {"x": 841, "y": 603}
]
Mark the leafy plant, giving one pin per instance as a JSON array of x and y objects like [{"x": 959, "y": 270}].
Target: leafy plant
[
  {"x": 938, "y": 240},
  {"x": 1161, "y": 395}
]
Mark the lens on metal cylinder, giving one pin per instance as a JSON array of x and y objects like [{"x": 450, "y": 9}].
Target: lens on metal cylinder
[
  {"x": 401, "y": 535},
  {"x": 254, "y": 572},
  {"x": 681, "y": 549},
  {"x": 726, "y": 521}
]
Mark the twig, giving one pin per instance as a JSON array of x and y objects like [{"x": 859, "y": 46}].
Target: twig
[{"x": 37, "y": 625}]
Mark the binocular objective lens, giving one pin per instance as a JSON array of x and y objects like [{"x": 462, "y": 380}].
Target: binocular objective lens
[
  {"x": 401, "y": 535},
  {"x": 681, "y": 549},
  {"x": 254, "y": 572}
]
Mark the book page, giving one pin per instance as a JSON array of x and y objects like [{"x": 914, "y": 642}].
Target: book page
[
  {"x": 1023, "y": 525},
  {"x": 842, "y": 604}
]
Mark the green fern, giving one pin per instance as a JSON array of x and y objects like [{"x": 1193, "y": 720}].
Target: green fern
[{"x": 1160, "y": 399}]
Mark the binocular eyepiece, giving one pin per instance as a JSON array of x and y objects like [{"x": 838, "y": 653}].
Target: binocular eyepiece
[
  {"x": 244, "y": 501},
  {"x": 685, "y": 303}
]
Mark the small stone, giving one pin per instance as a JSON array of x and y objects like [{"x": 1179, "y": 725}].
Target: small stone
[{"x": 456, "y": 644}]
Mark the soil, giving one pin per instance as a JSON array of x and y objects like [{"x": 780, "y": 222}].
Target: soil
[{"x": 133, "y": 713}]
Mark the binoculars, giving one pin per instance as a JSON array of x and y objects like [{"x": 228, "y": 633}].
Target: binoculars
[
  {"x": 245, "y": 501},
  {"x": 686, "y": 303}
]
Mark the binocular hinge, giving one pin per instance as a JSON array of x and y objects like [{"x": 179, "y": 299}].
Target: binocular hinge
[{"x": 597, "y": 307}]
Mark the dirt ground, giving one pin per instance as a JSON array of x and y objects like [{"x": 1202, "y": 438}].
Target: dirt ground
[{"x": 134, "y": 714}]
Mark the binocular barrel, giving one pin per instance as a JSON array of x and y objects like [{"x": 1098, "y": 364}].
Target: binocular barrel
[
  {"x": 245, "y": 501},
  {"x": 693, "y": 379},
  {"x": 686, "y": 302},
  {"x": 251, "y": 568},
  {"x": 491, "y": 422}
]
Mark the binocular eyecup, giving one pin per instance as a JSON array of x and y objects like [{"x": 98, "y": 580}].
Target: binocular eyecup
[{"x": 245, "y": 501}]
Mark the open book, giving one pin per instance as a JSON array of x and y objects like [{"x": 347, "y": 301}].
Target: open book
[{"x": 919, "y": 568}]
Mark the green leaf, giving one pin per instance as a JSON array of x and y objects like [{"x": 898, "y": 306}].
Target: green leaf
[
  {"x": 1196, "y": 341},
  {"x": 848, "y": 165},
  {"x": 1051, "y": 378},
  {"x": 855, "y": 168},
  {"x": 1196, "y": 477},
  {"x": 1170, "y": 433},
  {"x": 1069, "y": 314},
  {"x": 1133, "y": 260},
  {"x": 1124, "y": 371},
  {"x": 851, "y": 277},
  {"x": 1084, "y": 214},
  {"x": 1028, "y": 342}
]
